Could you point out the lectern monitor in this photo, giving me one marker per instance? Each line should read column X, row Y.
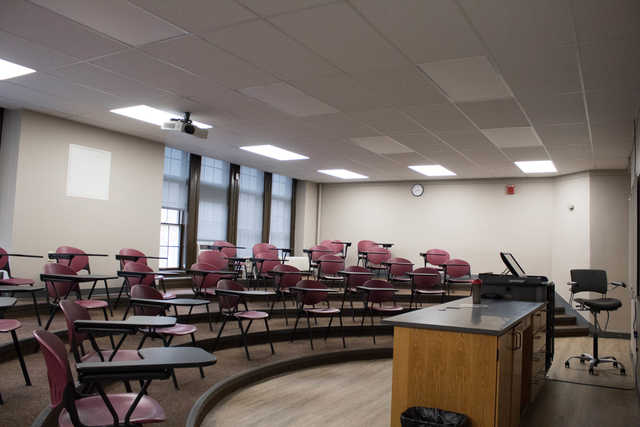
column 512, row 264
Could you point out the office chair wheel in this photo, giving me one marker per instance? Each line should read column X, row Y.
column 566, row 365
column 623, row 372
column 591, row 371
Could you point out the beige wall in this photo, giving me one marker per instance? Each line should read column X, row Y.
column 44, row 217
column 306, row 216
column 9, row 150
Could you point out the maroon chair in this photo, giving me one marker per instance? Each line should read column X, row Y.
column 425, row 284
column 265, row 261
column 220, row 261
column 59, row 291
column 204, row 284
column 373, row 297
column 141, row 260
column 363, row 247
column 10, row 325
column 17, row 282
column 375, row 257
column 282, row 283
column 82, row 410
column 435, row 257
column 230, row 303
column 397, row 269
column 328, row 267
column 352, row 281
column 308, row 295
column 455, row 271
column 315, row 252
column 259, row 248
column 143, row 279
column 78, row 262
column 335, row 245
column 229, row 250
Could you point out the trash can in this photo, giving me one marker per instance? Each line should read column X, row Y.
column 432, row 417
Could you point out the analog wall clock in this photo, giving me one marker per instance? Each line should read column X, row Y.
column 417, row 190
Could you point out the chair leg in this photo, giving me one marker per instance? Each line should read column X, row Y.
column 193, row 341
column 309, row 326
column 364, row 313
column 411, row 301
column 344, row 345
column 284, row 306
column 35, row 306
column 219, row 333
column 373, row 331
column 144, row 337
column 276, row 299
column 119, row 295
column 328, row 327
column 16, row 344
column 209, row 317
column 113, row 345
column 244, row 339
column 269, row 335
column 295, row 326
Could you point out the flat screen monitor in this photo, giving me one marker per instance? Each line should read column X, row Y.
column 512, row 264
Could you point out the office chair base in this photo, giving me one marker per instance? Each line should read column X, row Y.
column 594, row 361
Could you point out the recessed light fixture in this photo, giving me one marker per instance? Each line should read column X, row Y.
column 343, row 173
column 432, row 170
column 152, row 115
column 274, row 152
column 540, row 166
column 9, row 70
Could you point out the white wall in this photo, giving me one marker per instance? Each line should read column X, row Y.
column 306, row 216
column 44, row 217
column 8, row 171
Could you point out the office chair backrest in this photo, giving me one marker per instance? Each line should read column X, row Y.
column 400, row 269
column 381, row 255
column 364, row 245
column 228, row 302
column 207, row 281
column 146, row 280
column 457, row 267
column 57, row 361
column 320, row 250
column 357, row 279
column 288, row 280
column 437, row 256
column 263, row 247
column 73, row 312
column 589, row 281
column 271, row 260
column 228, row 250
column 311, row 298
column 146, row 292
column 58, row 289
column 378, row 297
column 131, row 252
column 333, row 244
column 79, row 262
column 426, row 282
column 216, row 258
column 336, row 264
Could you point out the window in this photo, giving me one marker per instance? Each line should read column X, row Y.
column 250, row 209
column 212, row 205
column 174, row 204
column 280, row 228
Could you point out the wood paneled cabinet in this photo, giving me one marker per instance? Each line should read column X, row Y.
column 534, row 350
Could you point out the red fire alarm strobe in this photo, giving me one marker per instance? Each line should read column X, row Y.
column 511, row 189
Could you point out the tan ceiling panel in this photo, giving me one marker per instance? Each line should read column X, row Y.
column 497, row 113
column 439, row 118
column 603, row 132
column 555, row 109
column 568, row 152
column 612, row 105
column 389, row 122
column 467, row 140
column 611, row 64
column 341, row 125
column 622, row 17
column 524, row 154
column 612, row 150
column 484, row 157
column 422, row 142
column 564, row 134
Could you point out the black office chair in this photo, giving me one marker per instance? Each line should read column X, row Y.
column 594, row 281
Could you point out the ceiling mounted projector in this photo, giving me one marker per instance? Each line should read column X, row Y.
column 185, row 125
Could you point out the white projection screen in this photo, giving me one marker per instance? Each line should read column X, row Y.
column 88, row 173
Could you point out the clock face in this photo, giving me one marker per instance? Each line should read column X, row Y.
column 417, row 190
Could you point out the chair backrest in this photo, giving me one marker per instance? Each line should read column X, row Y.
column 57, row 361
column 73, row 312
column 399, row 269
column 364, row 245
column 146, row 280
column 426, row 282
column 320, row 250
column 79, row 262
column 311, row 298
column 228, row 250
column 334, row 244
column 378, row 255
column 378, row 297
column 271, row 260
column 437, row 256
column 336, row 264
column 147, row 292
column 228, row 302
column 287, row 280
column 457, row 267
column 216, row 258
column 589, row 281
column 58, row 289
column 357, row 279
column 131, row 252
column 208, row 281
column 262, row 247
column 4, row 262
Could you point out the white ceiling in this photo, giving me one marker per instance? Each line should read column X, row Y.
column 371, row 86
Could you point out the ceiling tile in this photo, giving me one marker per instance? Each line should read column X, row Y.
column 389, row 121
column 554, row 109
column 518, row 25
column 241, row 105
column 343, row 147
column 503, row 168
column 402, row 87
column 381, row 145
column 260, row 133
column 53, row 31
column 210, row 62
column 439, row 118
column 489, row 156
column 612, row 105
column 611, row 64
column 348, row 33
column 497, row 113
column 145, row 68
column 573, row 166
column 342, row 92
column 424, row 31
column 612, row 150
column 523, row 154
column 261, row 44
column 41, row 99
column 299, row 129
column 541, row 71
column 197, row 15
column 603, row 132
column 469, row 171
column 288, row 99
column 467, row 140
column 179, row 106
column 513, row 137
column 12, row 104
column 467, row 79
column 568, row 152
column 564, row 134
column 211, row 116
column 104, row 80
column 622, row 19
column 29, row 54
column 449, row 157
column 622, row 163
column 422, row 142
column 342, row 125
column 409, row 159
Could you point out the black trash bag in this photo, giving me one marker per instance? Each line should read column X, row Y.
column 432, row 417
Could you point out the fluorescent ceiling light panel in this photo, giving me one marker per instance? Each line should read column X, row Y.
column 288, row 99
column 432, row 170
column 468, row 79
column 540, row 166
column 152, row 115
column 343, row 173
column 9, row 70
column 273, row 152
column 381, row 145
column 513, row 137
